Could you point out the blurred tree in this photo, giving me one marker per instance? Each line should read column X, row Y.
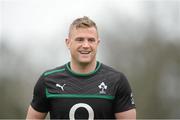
column 144, row 62
column 15, row 71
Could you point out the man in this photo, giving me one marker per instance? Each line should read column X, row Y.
column 83, row 88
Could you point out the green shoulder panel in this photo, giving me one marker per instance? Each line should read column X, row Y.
column 54, row 71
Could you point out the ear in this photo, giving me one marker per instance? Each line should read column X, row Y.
column 68, row 42
column 98, row 41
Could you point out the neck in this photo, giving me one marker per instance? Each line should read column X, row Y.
column 83, row 68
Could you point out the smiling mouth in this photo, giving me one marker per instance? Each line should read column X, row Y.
column 84, row 52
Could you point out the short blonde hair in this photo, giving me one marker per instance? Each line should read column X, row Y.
column 83, row 22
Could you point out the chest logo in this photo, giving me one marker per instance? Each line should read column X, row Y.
column 102, row 88
column 60, row 86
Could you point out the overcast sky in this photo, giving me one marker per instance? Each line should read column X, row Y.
column 44, row 17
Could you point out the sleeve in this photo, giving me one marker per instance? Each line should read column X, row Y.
column 39, row 101
column 124, row 98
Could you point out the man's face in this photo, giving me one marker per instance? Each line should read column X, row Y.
column 83, row 43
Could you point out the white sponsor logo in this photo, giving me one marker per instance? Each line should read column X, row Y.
column 60, row 86
column 132, row 99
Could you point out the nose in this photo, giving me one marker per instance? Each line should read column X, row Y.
column 85, row 44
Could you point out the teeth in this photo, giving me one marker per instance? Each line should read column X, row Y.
column 84, row 52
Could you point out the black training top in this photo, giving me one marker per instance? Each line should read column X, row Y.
column 69, row 95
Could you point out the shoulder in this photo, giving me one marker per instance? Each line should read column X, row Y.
column 113, row 74
column 54, row 71
column 110, row 70
column 48, row 75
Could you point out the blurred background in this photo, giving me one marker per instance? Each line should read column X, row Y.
column 140, row 38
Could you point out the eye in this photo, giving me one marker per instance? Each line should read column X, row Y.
column 79, row 39
column 91, row 40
